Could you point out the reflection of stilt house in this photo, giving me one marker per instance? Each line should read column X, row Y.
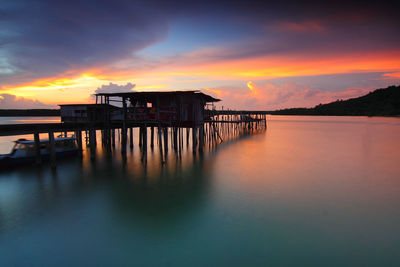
column 181, row 109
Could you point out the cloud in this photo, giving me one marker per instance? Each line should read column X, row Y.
column 115, row 88
column 48, row 38
column 269, row 96
column 8, row 101
column 44, row 38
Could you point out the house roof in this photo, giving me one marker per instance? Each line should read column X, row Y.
column 88, row 105
column 152, row 96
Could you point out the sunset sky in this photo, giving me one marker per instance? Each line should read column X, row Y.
column 251, row 54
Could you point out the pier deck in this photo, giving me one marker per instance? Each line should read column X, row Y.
column 217, row 126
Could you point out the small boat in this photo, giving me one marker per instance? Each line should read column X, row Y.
column 24, row 151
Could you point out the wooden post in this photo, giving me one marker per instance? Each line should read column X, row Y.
column 187, row 136
column 201, row 137
column 113, row 138
column 152, row 136
column 160, row 144
column 166, row 139
column 145, row 137
column 124, row 132
column 37, row 148
column 194, row 138
column 78, row 136
column 175, row 133
column 131, row 137
column 140, row 136
column 94, row 137
column 52, row 149
column 92, row 143
column 159, row 130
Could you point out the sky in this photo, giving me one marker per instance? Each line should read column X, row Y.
column 251, row 54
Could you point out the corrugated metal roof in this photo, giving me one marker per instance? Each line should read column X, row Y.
column 153, row 95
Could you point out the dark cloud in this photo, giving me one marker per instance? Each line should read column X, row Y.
column 50, row 37
column 46, row 37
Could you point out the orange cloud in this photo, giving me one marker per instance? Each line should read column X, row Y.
column 218, row 93
column 252, row 88
column 392, row 75
column 270, row 96
column 202, row 66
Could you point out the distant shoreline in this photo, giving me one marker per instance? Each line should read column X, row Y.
column 29, row 112
column 384, row 102
column 56, row 113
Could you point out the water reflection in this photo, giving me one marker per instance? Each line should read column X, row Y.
column 316, row 192
column 145, row 194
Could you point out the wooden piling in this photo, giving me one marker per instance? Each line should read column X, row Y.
column 152, row 137
column 187, row 136
column 165, row 140
column 201, row 137
column 144, row 137
column 175, row 135
column 52, row 149
column 194, row 138
column 92, row 143
column 37, row 148
column 78, row 137
column 131, row 137
column 124, row 129
column 113, row 138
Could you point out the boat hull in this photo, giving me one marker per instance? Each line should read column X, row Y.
column 10, row 162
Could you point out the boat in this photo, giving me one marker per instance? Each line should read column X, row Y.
column 24, row 152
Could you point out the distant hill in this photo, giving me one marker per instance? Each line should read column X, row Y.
column 29, row 112
column 381, row 102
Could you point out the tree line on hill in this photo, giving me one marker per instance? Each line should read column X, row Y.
column 381, row 102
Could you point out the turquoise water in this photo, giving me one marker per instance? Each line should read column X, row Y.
column 311, row 191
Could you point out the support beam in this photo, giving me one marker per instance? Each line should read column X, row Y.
column 144, row 137
column 140, row 136
column 194, row 138
column 92, row 143
column 37, row 148
column 113, row 138
column 78, row 136
column 123, row 130
column 131, row 137
column 52, row 149
column 165, row 140
column 152, row 137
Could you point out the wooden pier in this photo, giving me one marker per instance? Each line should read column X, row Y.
column 176, row 117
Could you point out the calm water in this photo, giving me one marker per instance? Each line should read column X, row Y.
column 310, row 191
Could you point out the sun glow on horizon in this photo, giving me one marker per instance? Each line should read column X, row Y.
column 74, row 86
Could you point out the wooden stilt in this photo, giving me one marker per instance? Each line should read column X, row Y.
column 131, row 137
column 52, row 149
column 187, row 136
column 165, row 140
column 152, row 136
column 92, row 143
column 194, row 138
column 113, row 138
column 140, row 136
column 145, row 137
column 78, row 137
column 37, row 148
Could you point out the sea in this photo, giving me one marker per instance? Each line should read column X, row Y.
column 309, row 191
